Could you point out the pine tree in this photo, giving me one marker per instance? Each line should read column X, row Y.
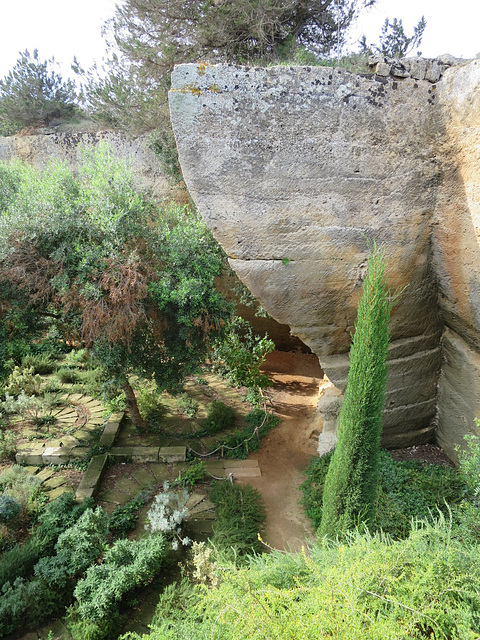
column 351, row 485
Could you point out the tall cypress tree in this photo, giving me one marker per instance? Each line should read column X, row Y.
column 351, row 484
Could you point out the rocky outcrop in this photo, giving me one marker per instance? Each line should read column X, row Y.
column 42, row 145
column 294, row 168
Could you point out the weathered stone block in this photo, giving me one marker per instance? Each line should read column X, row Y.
column 173, row 454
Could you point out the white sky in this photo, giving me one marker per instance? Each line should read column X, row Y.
column 65, row 28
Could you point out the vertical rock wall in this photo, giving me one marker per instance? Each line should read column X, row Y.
column 293, row 169
column 456, row 234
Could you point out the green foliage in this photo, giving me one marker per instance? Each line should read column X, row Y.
column 149, row 401
column 8, row 445
column 245, row 441
column 9, row 508
column 67, row 375
column 187, row 405
column 23, row 379
column 240, row 515
column 25, row 603
column 195, row 473
column 126, row 565
column 33, row 93
column 240, row 354
column 351, row 485
column 220, row 417
column 23, row 486
column 409, row 491
column 41, row 363
column 54, row 518
column 76, row 548
column 133, row 281
column 369, row 588
column 125, row 517
column 394, row 42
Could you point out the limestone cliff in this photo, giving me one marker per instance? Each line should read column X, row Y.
column 293, row 168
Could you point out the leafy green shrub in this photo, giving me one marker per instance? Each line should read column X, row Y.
column 408, row 490
column 23, row 380
column 186, row 405
column 126, row 565
column 76, row 548
column 8, row 445
column 239, row 355
column 55, row 517
column 76, row 357
column 220, row 417
column 196, row 472
column 125, row 517
column 312, row 487
column 240, row 515
column 24, row 604
column 102, row 629
column 40, row 362
column 367, row 587
column 92, row 380
column 67, row 376
column 9, row 508
column 245, row 441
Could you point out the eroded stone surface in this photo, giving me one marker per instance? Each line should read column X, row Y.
column 293, row 168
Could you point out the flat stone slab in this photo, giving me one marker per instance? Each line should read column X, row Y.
column 32, row 469
column 117, row 497
column 93, row 474
column 231, row 464
column 29, row 456
column 144, row 478
column 56, row 455
column 79, row 452
column 173, row 454
column 193, row 500
column 55, row 482
column 202, row 507
column 83, row 435
column 85, row 492
column 45, row 474
column 59, row 491
column 160, row 471
column 248, row 472
column 145, row 454
column 121, row 454
column 128, row 485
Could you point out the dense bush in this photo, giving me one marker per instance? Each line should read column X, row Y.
column 240, row 515
column 8, row 444
column 125, row 517
column 126, row 565
column 244, row 441
column 41, row 363
column 408, row 490
column 27, row 602
column 219, row 418
column 423, row 587
column 56, row 517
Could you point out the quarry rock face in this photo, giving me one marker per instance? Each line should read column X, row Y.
column 295, row 169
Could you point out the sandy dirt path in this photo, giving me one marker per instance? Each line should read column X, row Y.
column 287, row 450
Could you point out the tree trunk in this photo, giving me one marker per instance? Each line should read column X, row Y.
column 132, row 406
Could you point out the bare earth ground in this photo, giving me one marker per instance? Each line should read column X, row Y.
column 286, row 451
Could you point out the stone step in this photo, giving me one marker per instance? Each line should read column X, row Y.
column 92, row 477
column 247, row 472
